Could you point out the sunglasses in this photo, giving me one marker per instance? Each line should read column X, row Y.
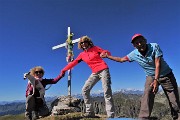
column 38, row 72
column 83, row 42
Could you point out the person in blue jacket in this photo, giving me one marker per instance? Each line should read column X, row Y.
column 150, row 58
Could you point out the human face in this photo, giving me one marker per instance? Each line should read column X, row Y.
column 140, row 44
column 38, row 73
column 84, row 44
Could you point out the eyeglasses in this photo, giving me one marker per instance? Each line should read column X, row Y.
column 83, row 42
column 38, row 72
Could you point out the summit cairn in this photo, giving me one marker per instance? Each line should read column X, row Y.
column 62, row 106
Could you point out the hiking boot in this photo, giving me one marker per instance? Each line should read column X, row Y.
column 28, row 116
column 111, row 115
column 89, row 115
column 176, row 116
column 144, row 118
column 35, row 115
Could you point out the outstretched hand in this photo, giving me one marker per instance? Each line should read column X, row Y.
column 62, row 74
column 154, row 84
column 104, row 55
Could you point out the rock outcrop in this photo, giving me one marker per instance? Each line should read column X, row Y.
column 64, row 105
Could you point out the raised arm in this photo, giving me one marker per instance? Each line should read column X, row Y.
column 62, row 72
column 102, row 51
column 117, row 59
column 55, row 80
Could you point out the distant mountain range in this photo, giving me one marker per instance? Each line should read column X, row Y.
column 94, row 94
column 9, row 102
column 23, row 101
column 130, row 91
column 18, row 106
column 124, row 91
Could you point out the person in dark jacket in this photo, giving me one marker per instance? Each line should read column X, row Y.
column 35, row 103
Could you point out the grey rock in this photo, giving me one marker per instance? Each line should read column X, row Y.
column 65, row 104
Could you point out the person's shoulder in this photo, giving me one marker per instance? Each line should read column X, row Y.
column 92, row 48
column 81, row 53
column 95, row 46
column 133, row 52
column 153, row 44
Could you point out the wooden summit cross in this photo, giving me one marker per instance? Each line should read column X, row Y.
column 69, row 46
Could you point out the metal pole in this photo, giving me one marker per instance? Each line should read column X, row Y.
column 69, row 59
column 69, row 46
column 69, row 82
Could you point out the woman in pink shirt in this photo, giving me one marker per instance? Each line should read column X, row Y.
column 92, row 56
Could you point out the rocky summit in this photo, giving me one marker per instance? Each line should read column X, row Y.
column 65, row 104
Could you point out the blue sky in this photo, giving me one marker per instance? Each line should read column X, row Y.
column 30, row 28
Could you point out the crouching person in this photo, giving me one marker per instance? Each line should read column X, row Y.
column 35, row 102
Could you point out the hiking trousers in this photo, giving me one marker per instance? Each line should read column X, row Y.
column 170, row 88
column 35, row 105
column 104, row 76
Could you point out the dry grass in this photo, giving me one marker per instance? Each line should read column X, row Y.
column 12, row 117
column 72, row 116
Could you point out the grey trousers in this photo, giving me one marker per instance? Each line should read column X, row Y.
column 30, row 106
column 104, row 75
column 170, row 88
column 35, row 105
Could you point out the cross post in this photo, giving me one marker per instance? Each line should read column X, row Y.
column 69, row 58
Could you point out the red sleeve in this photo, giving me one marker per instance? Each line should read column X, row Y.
column 55, row 80
column 73, row 63
column 29, row 90
column 102, row 50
